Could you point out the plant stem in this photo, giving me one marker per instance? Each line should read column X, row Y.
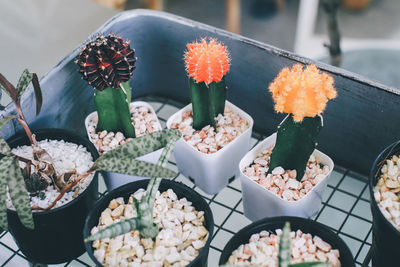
column 331, row 8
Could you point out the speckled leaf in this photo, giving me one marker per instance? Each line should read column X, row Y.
column 145, row 144
column 130, row 166
column 24, row 80
column 19, row 195
column 4, row 148
column 38, row 93
column 311, row 264
column 285, row 252
column 5, row 164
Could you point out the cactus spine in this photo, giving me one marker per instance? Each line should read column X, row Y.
column 207, row 62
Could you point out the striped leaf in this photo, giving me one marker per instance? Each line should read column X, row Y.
column 4, row 148
column 24, row 80
column 285, row 251
column 19, row 195
column 130, row 166
column 5, row 164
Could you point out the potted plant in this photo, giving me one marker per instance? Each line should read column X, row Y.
column 155, row 222
column 216, row 133
column 107, row 63
column 384, row 189
column 270, row 242
column 284, row 174
column 48, row 182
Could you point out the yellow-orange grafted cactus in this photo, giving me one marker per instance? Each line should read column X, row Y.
column 207, row 61
column 301, row 91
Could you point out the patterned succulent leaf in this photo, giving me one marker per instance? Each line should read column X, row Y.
column 115, row 229
column 8, row 88
column 131, row 166
column 311, row 264
column 285, row 253
column 5, row 164
column 24, row 80
column 144, row 144
column 4, row 148
column 19, row 195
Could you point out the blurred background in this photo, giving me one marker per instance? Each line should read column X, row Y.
column 37, row 34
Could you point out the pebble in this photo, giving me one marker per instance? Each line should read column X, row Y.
column 182, row 234
column 387, row 191
column 283, row 182
column 263, row 249
column 206, row 140
column 145, row 121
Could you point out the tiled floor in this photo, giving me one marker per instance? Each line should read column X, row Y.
column 345, row 210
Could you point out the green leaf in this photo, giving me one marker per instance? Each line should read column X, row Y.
column 311, row 264
column 38, row 93
column 131, row 166
column 24, row 80
column 19, row 195
column 5, row 164
column 4, row 148
column 285, row 251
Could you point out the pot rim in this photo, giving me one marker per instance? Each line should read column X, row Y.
column 244, row 115
column 86, row 143
column 388, row 152
column 283, row 219
column 260, row 147
column 170, row 185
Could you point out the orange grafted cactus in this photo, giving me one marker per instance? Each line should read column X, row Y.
column 301, row 91
column 207, row 61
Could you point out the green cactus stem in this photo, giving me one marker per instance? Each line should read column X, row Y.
column 113, row 110
column 295, row 142
column 208, row 101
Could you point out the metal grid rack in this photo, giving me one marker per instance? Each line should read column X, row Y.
column 345, row 209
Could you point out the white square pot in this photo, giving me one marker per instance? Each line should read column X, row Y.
column 259, row 202
column 113, row 179
column 211, row 172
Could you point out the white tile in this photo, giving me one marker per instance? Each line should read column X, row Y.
column 327, row 194
column 86, row 259
column 228, row 197
column 236, row 222
column 335, row 177
column 353, row 244
column 221, row 239
column 5, row 253
column 77, row 264
column 181, row 178
column 352, row 185
column 356, row 227
column 102, row 184
column 240, row 207
column 363, row 253
column 17, row 261
column 363, row 209
column 236, row 184
column 342, row 201
column 202, row 193
column 9, row 241
column 213, row 258
column 167, row 111
column 366, row 194
column 156, row 105
column 331, row 217
column 219, row 212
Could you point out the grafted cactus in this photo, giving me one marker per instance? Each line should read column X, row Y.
column 303, row 93
column 107, row 63
column 207, row 62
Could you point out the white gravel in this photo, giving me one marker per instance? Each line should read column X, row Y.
column 387, row 191
column 66, row 156
column 283, row 182
column 207, row 140
column 263, row 249
column 182, row 234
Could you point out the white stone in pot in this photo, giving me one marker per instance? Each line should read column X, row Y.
column 112, row 179
column 259, row 202
column 211, row 172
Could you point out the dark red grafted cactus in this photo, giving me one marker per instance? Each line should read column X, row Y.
column 106, row 62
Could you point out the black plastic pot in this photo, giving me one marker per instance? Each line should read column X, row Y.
column 385, row 237
column 125, row 191
column 296, row 223
column 57, row 236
